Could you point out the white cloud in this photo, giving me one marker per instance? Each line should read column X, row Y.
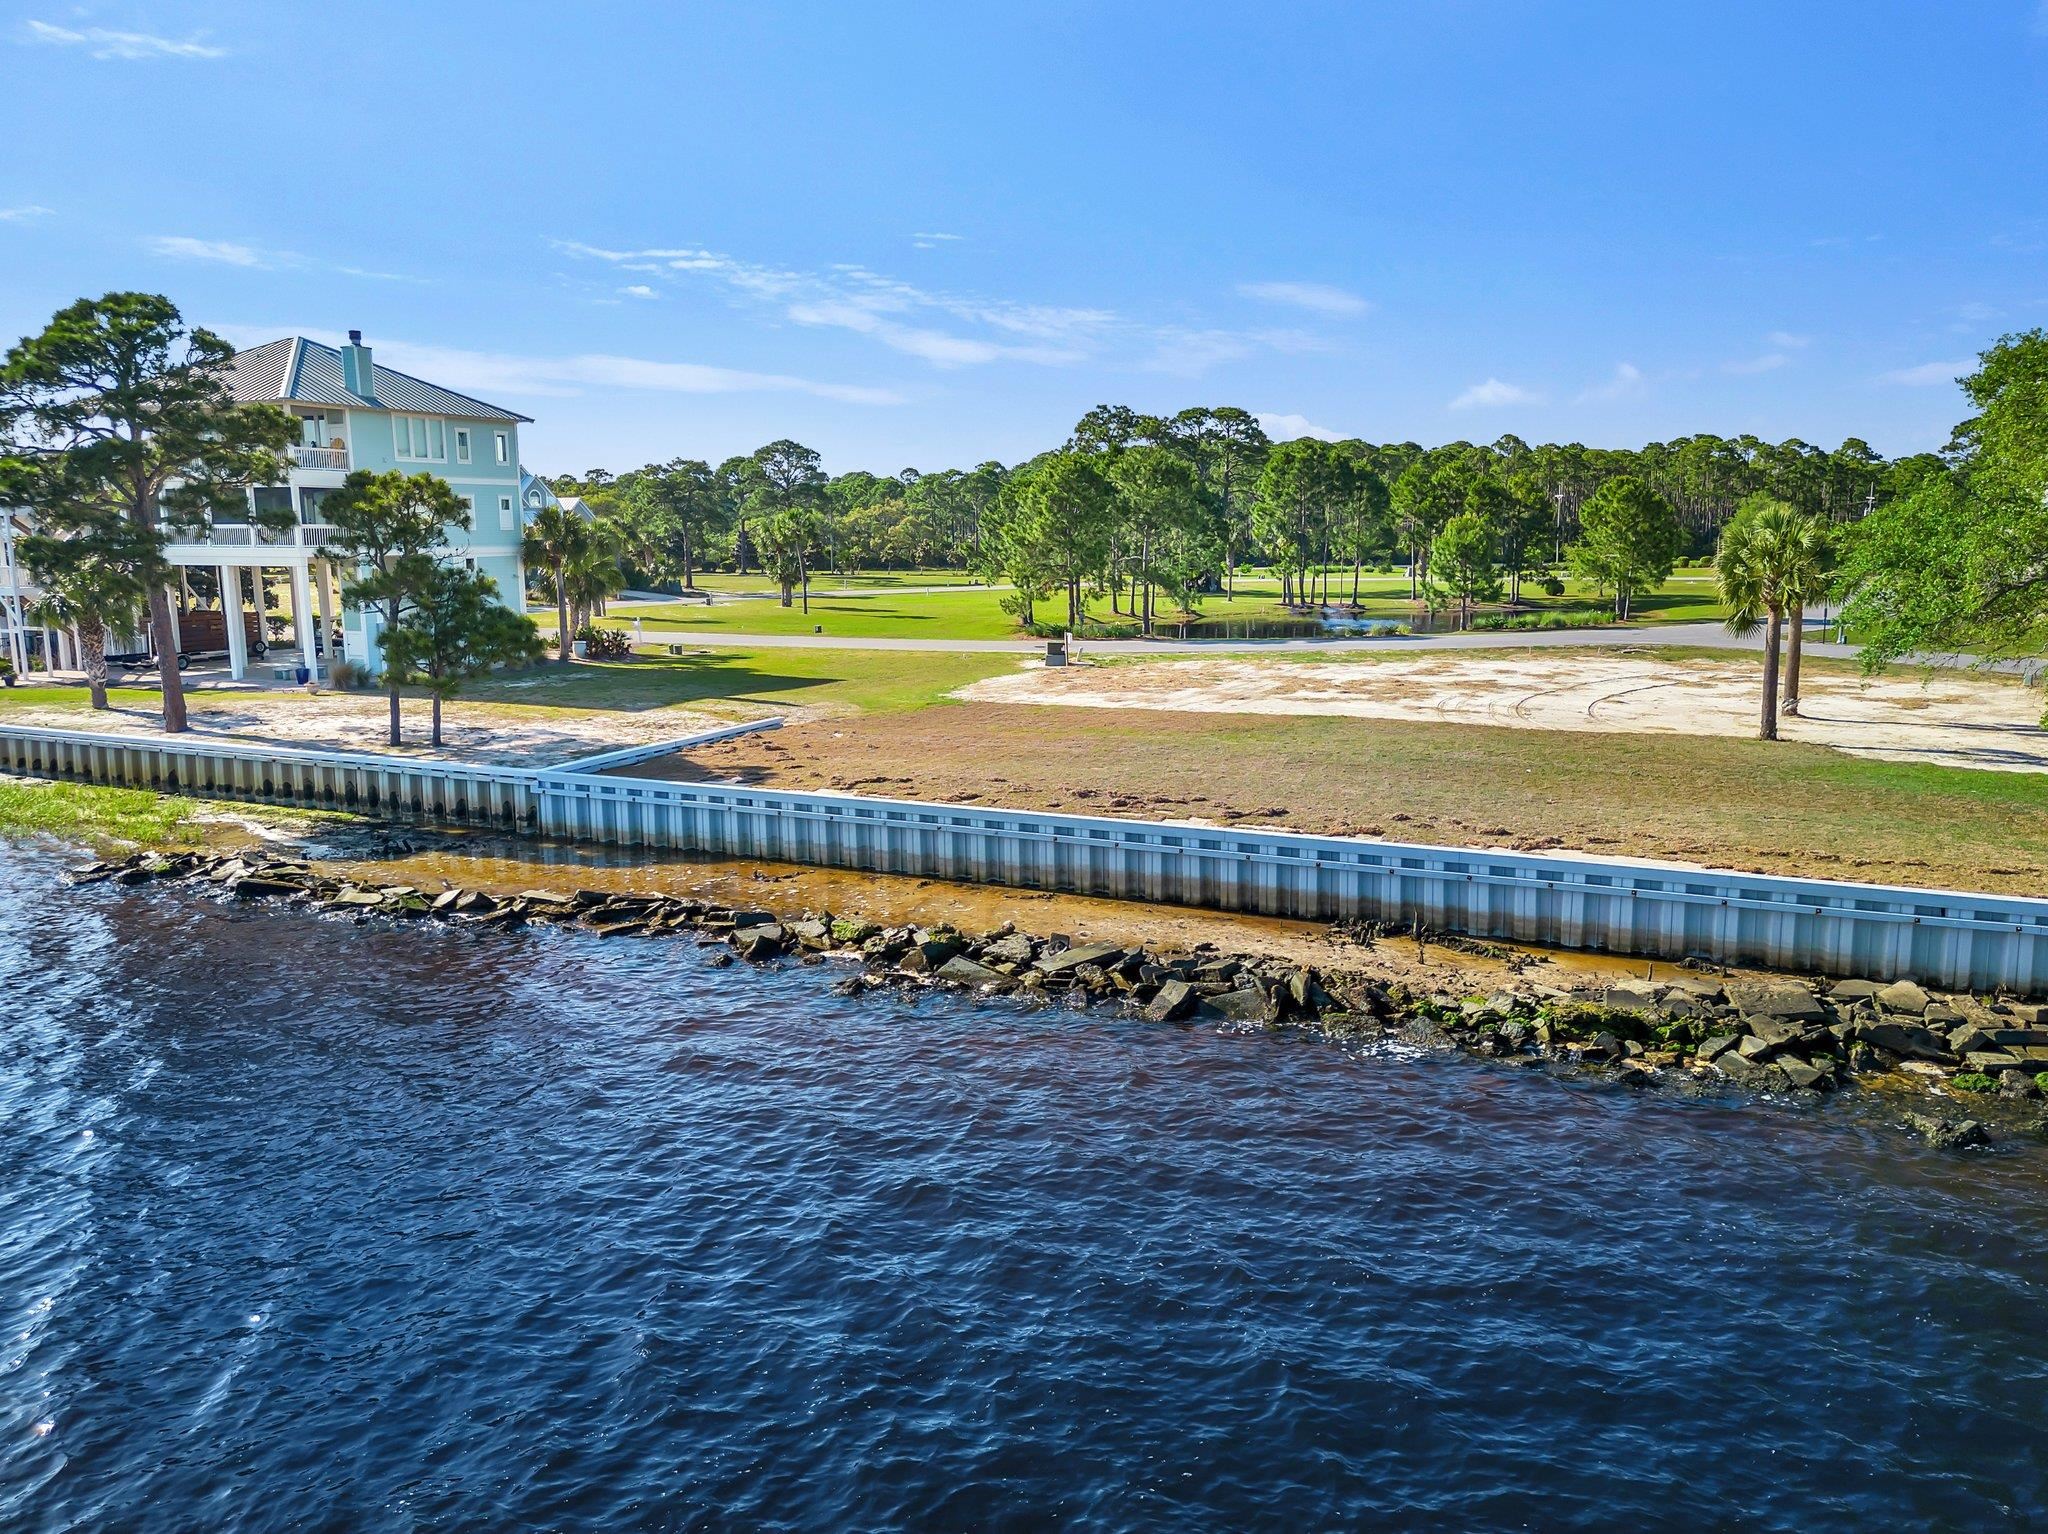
column 23, row 214
column 1626, row 380
column 925, row 240
column 639, row 290
column 1769, row 362
column 1928, row 373
column 1317, row 297
column 490, row 374
column 946, row 329
column 1495, row 392
column 183, row 247
column 105, row 43
column 1785, row 340
column 1285, row 428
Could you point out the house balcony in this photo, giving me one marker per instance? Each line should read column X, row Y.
column 305, row 456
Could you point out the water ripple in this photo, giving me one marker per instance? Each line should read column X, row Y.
column 313, row 1224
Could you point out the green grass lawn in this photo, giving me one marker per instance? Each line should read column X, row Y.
column 83, row 812
column 977, row 612
column 725, row 583
column 746, row 683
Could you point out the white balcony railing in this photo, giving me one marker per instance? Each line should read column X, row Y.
column 308, row 457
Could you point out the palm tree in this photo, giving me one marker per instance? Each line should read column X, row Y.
column 1763, row 569
column 1809, row 563
column 593, row 575
column 557, row 538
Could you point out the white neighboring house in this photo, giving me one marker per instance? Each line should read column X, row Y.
column 352, row 414
column 18, row 594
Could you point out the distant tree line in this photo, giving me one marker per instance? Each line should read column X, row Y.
column 1155, row 512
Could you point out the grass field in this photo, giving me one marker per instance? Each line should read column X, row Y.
column 977, row 613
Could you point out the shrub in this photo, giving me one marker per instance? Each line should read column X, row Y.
column 1552, row 586
column 2041, row 1081
column 605, row 643
column 1974, row 1081
column 347, row 676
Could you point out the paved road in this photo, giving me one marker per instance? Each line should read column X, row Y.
column 1707, row 635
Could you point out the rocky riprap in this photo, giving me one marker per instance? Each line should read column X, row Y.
column 1693, row 1030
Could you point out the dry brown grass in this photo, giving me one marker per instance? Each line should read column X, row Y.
column 1784, row 808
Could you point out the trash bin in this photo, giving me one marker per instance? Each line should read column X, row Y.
column 303, row 675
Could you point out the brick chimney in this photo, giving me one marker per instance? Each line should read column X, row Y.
column 355, row 367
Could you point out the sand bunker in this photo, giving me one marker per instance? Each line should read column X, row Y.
column 1954, row 719
column 472, row 732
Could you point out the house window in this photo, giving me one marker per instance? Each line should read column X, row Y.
column 468, row 510
column 504, row 447
column 309, row 506
column 462, row 444
column 505, row 518
column 418, row 437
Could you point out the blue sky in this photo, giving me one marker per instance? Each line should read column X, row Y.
column 928, row 235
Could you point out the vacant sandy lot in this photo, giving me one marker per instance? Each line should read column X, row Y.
column 471, row 732
column 1953, row 719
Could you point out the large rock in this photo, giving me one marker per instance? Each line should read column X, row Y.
column 1069, row 959
column 1633, row 995
column 1948, row 1134
column 2009, row 1038
column 1907, row 1039
column 1843, row 992
column 1778, row 1031
column 1175, row 999
column 1779, row 999
column 1801, row 1074
column 965, row 971
column 1243, row 1007
column 1903, row 996
column 1011, row 948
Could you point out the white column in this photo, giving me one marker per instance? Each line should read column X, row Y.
column 302, row 617
column 231, row 616
column 323, row 585
column 262, row 613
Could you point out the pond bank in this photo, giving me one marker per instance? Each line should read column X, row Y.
column 1951, row 1068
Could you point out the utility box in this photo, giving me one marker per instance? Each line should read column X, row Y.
column 1055, row 652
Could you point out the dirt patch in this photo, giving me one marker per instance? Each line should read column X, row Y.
column 501, row 734
column 1718, row 802
column 1952, row 719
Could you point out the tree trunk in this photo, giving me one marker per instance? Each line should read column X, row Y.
column 562, row 631
column 1357, row 559
column 435, row 733
column 1145, row 564
column 167, row 662
column 92, row 641
column 1794, row 643
column 689, row 573
column 1773, row 637
column 804, row 569
column 388, row 627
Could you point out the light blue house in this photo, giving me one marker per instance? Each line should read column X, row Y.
column 354, row 414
